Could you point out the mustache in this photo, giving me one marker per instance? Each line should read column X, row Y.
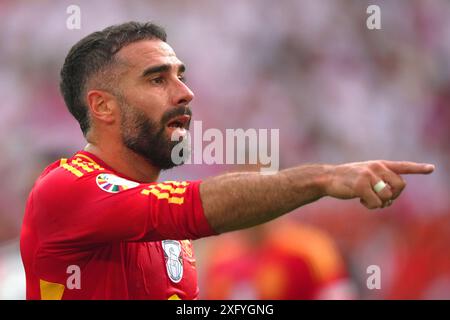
column 175, row 112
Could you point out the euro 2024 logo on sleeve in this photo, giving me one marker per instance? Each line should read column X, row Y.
column 113, row 184
column 174, row 259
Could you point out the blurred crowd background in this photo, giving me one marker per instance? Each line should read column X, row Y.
column 337, row 92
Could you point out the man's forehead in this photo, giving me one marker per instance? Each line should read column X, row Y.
column 143, row 53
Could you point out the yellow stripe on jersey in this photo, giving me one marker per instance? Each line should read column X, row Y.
column 91, row 162
column 177, row 183
column 77, row 162
column 160, row 195
column 93, row 165
column 159, row 190
column 168, row 188
column 68, row 167
column 51, row 290
column 174, row 297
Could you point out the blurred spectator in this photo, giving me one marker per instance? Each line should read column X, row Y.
column 281, row 260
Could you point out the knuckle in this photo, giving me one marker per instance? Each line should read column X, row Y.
column 402, row 183
column 365, row 173
column 361, row 184
column 376, row 166
column 398, row 185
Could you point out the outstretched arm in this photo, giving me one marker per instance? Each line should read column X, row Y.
column 240, row 200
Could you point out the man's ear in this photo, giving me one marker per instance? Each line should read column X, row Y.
column 102, row 106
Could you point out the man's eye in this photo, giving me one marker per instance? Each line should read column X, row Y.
column 158, row 80
column 182, row 78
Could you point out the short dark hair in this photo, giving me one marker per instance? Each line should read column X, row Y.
column 93, row 54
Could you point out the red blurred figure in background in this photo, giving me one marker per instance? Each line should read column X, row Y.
column 284, row 260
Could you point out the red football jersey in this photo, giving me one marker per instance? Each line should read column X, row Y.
column 91, row 233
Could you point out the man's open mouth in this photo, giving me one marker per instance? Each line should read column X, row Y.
column 181, row 122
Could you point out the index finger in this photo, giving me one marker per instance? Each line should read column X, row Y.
column 407, row 167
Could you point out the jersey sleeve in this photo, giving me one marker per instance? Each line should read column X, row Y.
column 88, row 208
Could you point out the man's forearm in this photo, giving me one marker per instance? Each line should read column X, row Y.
column 240, row 200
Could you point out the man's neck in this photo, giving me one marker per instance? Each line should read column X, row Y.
column 126, row 162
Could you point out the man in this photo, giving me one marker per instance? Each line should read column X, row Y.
column 99, row 226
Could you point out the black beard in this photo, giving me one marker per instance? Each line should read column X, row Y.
column 148, row 138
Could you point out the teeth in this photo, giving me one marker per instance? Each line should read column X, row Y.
column 182, row 131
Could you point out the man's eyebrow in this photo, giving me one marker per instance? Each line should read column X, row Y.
column 161, row 68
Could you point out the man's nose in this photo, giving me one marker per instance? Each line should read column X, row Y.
column 182, row 95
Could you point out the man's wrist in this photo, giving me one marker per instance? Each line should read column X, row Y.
column 324, row 179
column 313, row 179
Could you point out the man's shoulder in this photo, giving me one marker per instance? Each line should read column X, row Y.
column 79, row 165
column 67, row 171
